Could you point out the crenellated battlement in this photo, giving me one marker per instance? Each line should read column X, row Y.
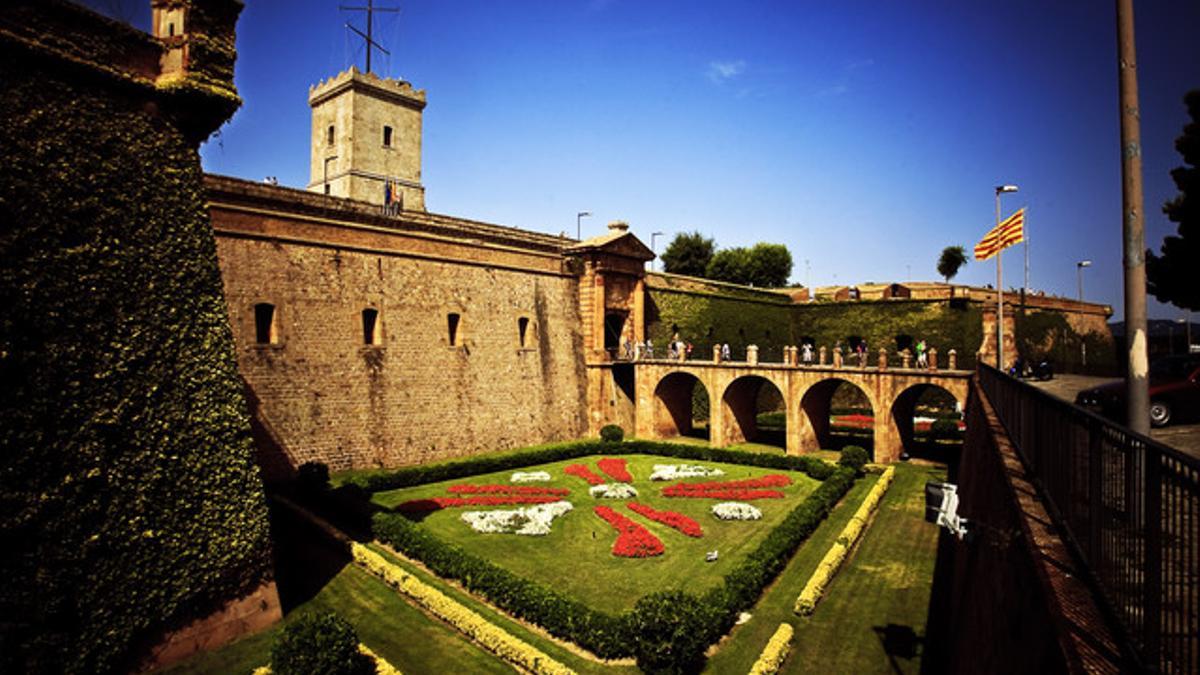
column 352, row 78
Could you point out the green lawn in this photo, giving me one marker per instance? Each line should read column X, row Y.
column 878, row 597
column 576, row 556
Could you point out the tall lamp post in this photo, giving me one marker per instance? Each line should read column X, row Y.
column 653, row 249
column 578, row 219
column 1079, row 273
column 1000, row 189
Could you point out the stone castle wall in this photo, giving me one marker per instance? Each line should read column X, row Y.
column 414, row 398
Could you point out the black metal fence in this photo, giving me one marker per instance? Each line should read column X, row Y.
column 1129, row 505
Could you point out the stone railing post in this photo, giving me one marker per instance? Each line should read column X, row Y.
column 837, row 357
column 882, row 358
column 821, row 355
column 952, row 359
column 793, row 358
column 933, row 358
column 752, row 355
column 905, row 359
column 716, row 353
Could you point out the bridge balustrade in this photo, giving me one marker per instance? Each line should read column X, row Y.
column 1128, row 505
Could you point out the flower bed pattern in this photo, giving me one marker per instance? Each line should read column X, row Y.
column 613, row 491
column 669, row 518
column 615, row 467
column 634, row 540
column 530, row 476
column 531, row 521
column 735, row 511
column 583, row 472
column 677, row 471
column 742, row 490
column 507, row 490
column 439, row 503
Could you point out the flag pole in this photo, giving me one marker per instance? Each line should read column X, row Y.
column 999, row 297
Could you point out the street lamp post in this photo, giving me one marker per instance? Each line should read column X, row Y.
column 653, row 249
column 578, row 218
column 1079, row 272
column 1000, row 189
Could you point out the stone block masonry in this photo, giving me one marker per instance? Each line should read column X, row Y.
column 416, row 396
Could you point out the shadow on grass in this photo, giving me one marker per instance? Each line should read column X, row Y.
column 899, row 642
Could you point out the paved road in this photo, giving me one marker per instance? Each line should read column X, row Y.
column 1184, row 437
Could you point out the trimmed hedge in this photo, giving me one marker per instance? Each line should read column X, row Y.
column 436, row 473
column 319, row 643
column 612, row 433
column 608, row 636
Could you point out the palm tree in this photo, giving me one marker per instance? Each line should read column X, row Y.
column 953, row 258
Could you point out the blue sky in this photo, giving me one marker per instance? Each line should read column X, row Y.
column 866, row 136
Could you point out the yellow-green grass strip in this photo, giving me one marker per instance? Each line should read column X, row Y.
column 829, row 565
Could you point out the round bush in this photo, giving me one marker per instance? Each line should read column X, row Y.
column 670, row 632
column 313, row 477
column 945, row 429
column 854, row 457
column 319, row 643
column 612, row 433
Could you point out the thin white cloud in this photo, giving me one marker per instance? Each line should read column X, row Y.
column 721, row 71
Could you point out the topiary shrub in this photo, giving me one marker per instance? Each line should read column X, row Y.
column 612, row 433
column 945, row 429
column 319, row 643
column 312, row 478
column 670, row 633
column 854, row 457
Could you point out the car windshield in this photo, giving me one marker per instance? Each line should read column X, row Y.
column 1174, row 368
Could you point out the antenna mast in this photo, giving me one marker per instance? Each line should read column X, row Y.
column 370, row 9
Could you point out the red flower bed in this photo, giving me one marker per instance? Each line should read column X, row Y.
column 853, row 421
column 507, row 490
column 439, row 503
column 585, row 473
column 634, row 540
column 669, row 518
column 741, row 495
column 615, row 467
column 742, row 490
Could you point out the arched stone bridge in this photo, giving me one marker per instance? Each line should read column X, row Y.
column 663, row 400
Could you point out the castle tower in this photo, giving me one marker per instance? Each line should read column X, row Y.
column 366, row 132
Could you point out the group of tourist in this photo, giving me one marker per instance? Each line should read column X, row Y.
column 679, row 350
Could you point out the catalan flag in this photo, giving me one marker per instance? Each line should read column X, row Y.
column 1008, row 232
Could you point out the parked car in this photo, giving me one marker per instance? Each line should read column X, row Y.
column 1174, row 392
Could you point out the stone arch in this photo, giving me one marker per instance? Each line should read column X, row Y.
column 739, row 407
column 815, row 408
column 903, row 412
column 673, row 404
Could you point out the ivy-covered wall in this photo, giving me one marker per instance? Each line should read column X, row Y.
column 892, row 324
column 706, row 315
column 131, row 501
column 1045, row 334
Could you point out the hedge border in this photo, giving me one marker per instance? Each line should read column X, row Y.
column 821, row 577
column 605, row 635
column 776, row 651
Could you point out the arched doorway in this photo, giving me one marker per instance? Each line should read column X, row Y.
column 681, row 407
column 929, row 419
column 753, row 411
column 839, row 413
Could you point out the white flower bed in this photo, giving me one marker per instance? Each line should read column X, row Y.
column 677, row 471
column 529, row 520
column 736, row 511
column 530, row 476
column 613, row 491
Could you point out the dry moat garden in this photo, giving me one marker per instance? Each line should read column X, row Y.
column 598, row 556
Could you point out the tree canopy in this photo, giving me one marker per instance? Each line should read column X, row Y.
column 688, row 253
column 1171, row 277
column 951, row 260
column 763, row 265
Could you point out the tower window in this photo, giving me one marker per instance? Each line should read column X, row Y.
column 170, row 30
column 329, row 135
column 387, row 137
column 452, row 321
column 523, row 330
column 370, row 325
column 264, row 324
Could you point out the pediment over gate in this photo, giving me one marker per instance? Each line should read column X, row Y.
column 616, row 250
